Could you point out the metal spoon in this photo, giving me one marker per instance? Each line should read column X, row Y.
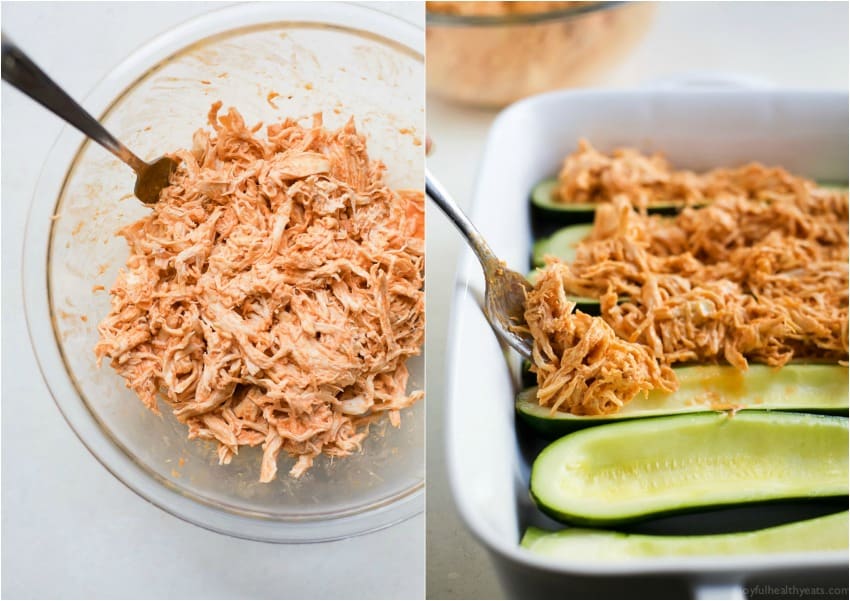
column 504, row 289
column 20, row 71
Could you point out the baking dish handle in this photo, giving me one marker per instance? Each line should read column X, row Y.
column 710, row 80
column 714, row 589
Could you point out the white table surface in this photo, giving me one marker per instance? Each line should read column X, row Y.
column 69, row 529
column 800, row 45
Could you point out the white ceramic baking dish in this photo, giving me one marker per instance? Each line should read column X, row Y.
column 488, row 458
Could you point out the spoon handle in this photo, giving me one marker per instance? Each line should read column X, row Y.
column 447, row 204
column 21, row 72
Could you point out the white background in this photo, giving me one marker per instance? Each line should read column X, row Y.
column 69, row 529
column 800, row 45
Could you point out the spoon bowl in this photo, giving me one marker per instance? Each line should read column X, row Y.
column 504, row 290
column 151, row 180
column 504, row 306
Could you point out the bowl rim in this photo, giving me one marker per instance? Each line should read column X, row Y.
column 563, row 14
column 37, row 241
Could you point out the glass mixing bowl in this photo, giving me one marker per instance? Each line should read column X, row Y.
column 270, row 61
column 494, row 59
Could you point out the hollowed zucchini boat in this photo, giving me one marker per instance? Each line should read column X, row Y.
column 547, row 207
column 625, row 472
column 562, row 244
column 795, row 387
column 826, row 533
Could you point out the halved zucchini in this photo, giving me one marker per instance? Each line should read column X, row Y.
column 808, row 387
column 545, row 203
column 545, row 207
column 625, row 472
column 544, row 196
column 526, row 376
column 825, row 533
column 561, row 244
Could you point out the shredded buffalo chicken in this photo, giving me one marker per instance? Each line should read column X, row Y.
column 588, row 175
column 581, row 362
column 760, row 274
column 274, row 293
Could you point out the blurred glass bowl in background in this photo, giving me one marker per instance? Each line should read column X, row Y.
column 496, row 53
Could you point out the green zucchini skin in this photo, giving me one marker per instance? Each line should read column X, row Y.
column 548, row 215
column 545, row 208
column 561, row 244
column 818, row 388
column 634, row 470
column 825, row 533
column 527, row 378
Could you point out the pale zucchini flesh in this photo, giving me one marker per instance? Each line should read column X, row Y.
column 628, row 471
column 544, row 196
column 818, row 388
column 562, row 244
column 826, row 533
